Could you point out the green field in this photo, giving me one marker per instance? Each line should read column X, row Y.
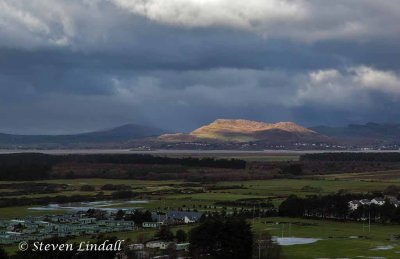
column 168, row 194
column 338, row 239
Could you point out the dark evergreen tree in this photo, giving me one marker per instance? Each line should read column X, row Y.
column 181, row 236
column 216, row 238
column 164, row 233
column 3, row 253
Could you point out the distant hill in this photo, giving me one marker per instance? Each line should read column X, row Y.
column 245, row 131
column 118, row 134
column 219, row 134
column 362, row 132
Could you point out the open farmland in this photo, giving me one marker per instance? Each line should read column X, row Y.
column 179, row 194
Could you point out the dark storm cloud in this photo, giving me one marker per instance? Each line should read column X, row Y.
column 69, row 66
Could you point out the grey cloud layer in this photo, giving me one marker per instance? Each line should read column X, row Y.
column 67, row 66
column 82, row 23
column 46, row 22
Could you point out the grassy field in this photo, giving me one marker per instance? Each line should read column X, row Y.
column 23, row 211
column 294, row 186
column 169, row 195
column 338, row 239
column 389, row 175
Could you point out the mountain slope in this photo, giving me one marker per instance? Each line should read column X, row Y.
column 367, row 132
column 118, row 134
column 245, row 131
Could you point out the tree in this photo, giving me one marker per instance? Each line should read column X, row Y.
column 122, row 194
column 120, row 215
column 264, row 247
column 292, row 207
column 293, row 169
column 222, row 239
column 392, row 190
column 139, row 217
column 87, row 188
column 181, row 236
column 141, row 238
column 165, row 234
column 3, row 253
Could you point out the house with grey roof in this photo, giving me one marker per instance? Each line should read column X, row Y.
column 176, row 217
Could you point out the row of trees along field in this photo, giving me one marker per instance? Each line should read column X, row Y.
column 336, row 206
column 352, row 156
column 36, row 166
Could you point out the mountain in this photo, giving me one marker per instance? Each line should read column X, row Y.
column 118, row 134
column 370, row 132
column 245, row 131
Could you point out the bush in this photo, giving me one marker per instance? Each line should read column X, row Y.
column 181, row 236
column 293, row 169
column 115, row 187
column 222, row 239
column 87, row 188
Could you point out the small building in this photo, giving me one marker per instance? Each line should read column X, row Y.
column 87, row 220
column 365, row 202
column 378, row 201
column 135, row 247
column 178, row 217
column 166, row 245
column 154, row 244
column 182, row 247
column 152, row 224
column 42, row 223
column 142, row 254
column 353, row 205
column 184, row 216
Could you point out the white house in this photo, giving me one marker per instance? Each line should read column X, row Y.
column 378, row 201
column 353, row 205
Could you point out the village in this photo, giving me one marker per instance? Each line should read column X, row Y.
column 95, row 222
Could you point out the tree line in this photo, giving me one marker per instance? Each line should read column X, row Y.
column 352, row 156
column 37, row 166
column 336, row 206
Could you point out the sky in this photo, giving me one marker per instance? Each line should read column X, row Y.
column 79, row 65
